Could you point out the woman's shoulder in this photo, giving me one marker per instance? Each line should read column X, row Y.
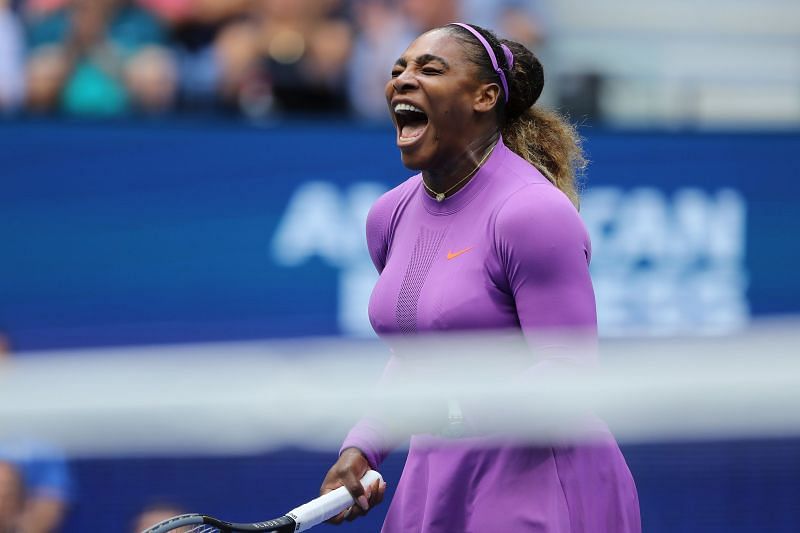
column 520, row 171
column 384, row 212
column 529, row 194
column 536, row 210
column 389, row 201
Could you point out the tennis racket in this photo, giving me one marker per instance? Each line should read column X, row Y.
column 300, row 518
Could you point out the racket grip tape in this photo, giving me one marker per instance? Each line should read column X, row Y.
column 328, row 505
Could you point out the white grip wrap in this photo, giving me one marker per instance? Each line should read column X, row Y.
column 328, row 505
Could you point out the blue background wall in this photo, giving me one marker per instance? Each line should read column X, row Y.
column 139, row 233
column 143, row 233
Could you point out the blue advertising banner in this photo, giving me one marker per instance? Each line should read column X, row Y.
column 170, row 232
column 141, row 233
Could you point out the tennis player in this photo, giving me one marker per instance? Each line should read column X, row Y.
column 486, row 236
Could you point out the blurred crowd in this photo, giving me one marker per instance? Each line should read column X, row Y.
column 36, row 487
column 241, row 57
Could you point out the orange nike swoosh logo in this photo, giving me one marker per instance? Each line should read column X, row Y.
column 453, row 255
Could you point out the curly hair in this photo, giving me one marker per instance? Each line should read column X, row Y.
column 543, row 138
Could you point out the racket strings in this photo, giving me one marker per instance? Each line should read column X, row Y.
column 204, row 529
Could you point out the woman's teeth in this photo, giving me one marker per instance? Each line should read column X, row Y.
column 407, row 107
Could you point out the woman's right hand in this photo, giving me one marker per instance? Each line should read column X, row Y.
column 347, row 472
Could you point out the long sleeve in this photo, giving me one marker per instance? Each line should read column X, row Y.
column 543, row 254
column 542, row 259
column 379, row 228
column 370, row 434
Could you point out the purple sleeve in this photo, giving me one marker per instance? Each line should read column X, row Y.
column 370, row 435
column 379, row 229
column 543, row 252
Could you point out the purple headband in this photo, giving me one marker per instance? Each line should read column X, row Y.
column 488, row 47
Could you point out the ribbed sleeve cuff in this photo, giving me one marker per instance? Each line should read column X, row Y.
column 368, row 436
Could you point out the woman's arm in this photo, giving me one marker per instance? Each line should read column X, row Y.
column 543, row 254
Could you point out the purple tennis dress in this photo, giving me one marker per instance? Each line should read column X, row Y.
column 508, row 250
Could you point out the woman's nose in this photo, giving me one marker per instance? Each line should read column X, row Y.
column 405, row 81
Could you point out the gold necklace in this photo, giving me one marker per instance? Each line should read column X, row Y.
column 440, row 196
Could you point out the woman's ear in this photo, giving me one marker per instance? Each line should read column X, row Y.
column 486, row 97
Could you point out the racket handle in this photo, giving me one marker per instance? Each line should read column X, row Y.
column 328, row 505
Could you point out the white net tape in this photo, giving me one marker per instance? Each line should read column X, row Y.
column 258, row 396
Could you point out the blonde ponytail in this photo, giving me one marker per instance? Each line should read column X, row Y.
column 550, row 143
column 543, row 138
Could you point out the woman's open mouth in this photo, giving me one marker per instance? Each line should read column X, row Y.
column 411, row 124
